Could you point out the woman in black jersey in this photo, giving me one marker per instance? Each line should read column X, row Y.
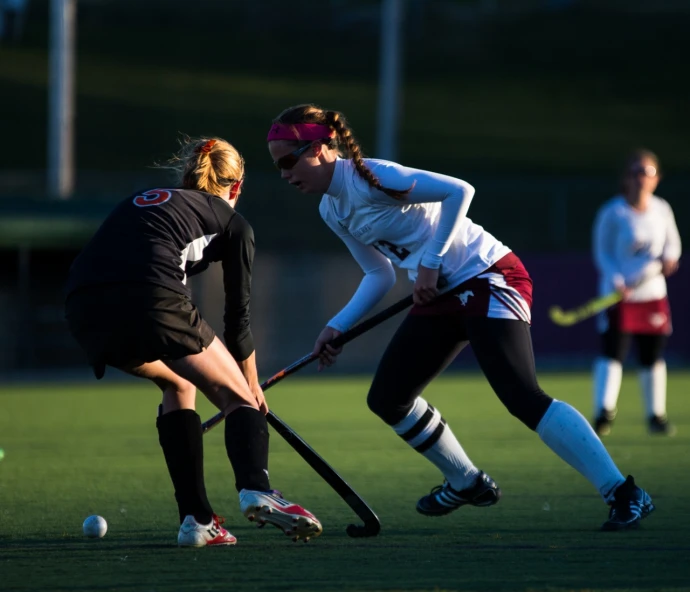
column 128, row 305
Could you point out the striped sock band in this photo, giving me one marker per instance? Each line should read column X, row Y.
column 421, row 430
column 425, row 430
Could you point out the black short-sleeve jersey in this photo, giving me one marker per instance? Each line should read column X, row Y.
column 163, row 236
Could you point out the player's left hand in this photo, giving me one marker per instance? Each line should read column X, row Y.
column 327, row 353
column 258, row 393
column 425, row 285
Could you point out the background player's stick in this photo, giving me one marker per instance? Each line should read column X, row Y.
column 342, row 339
column 567, row 318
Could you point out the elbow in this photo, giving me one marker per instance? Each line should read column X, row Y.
column 389, row 278
column 384, row 277
column 467, row 191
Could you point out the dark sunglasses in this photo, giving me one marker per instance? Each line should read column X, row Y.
column 290, row 160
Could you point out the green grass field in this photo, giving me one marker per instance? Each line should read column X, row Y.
column 72, row 451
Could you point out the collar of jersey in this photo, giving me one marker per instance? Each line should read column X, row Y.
column 338, row 180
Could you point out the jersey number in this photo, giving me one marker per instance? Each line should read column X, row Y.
column 154, row 197
column 391, row 251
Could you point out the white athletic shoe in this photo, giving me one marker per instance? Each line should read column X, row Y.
column 193, row 534
column 269, row 507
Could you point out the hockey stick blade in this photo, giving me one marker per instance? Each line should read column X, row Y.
column 567, row 318
column 372, row 525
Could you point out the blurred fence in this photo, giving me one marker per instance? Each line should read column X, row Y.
column 294, row 296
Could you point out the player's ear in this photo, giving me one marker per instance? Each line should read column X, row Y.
column 317, row 147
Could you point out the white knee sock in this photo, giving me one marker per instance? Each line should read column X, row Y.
column 565, row 431
column 608, row 374
column 426, row 431
column 653, row 385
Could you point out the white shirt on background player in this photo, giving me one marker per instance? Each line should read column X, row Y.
column 629, row 245
column 428, row 226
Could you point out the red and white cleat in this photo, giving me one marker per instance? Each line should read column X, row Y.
column 269, row 507
column 193, row 534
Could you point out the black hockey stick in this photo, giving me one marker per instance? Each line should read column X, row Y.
column 342, row 339
column 372, row 525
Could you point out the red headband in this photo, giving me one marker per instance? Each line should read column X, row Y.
column 206, row 148
column 299, row 131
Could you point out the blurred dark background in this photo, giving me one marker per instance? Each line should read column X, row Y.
column 534, row 102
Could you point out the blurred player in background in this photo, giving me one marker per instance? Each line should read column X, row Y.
column 129, row 306
column 636, row 246
column 386, row 213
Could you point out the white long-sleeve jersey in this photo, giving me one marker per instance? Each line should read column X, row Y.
column 428, row 226
column 629, row 246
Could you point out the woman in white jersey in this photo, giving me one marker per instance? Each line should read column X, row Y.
column 636, row 245
column 386, row 213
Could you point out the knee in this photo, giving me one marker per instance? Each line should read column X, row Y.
column 180, row 389
column 528, row 407
column 177, row 394
column 185, row 389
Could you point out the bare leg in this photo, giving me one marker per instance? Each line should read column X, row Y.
column 216, row 373
column 178, row 393
column 213, row 371
column 180, row 437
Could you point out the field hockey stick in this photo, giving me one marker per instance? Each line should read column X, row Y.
column 372, row 525
column 567, row 318
column 342, row 339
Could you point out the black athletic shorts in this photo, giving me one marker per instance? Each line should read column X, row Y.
column 128, row 324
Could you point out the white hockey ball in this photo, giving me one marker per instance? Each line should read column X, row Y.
column 95, row 527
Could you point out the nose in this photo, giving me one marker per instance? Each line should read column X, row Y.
column 285, row 174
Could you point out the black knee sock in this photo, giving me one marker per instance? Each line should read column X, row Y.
column 180, row 437
column 246, row 441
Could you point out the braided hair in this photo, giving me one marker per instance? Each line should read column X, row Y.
column 344, row 140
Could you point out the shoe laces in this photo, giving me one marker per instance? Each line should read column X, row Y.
column 218, row 519
column 439, row 488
